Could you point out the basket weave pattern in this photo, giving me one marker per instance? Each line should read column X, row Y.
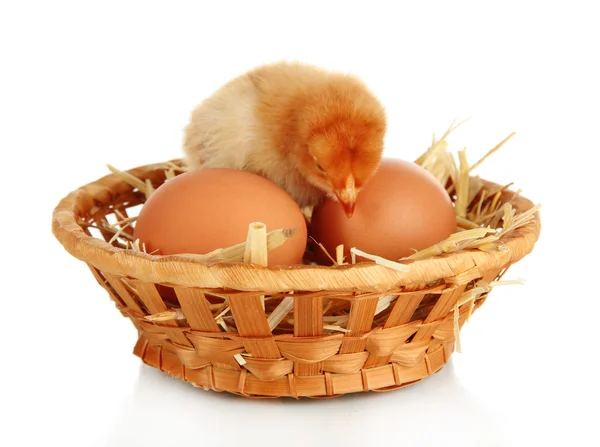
column 371, row 347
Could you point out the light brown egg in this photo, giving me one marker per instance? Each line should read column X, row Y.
column 203, row 210
column 402, row 208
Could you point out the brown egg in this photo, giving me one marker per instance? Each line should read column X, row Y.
column 402, row 208
column 203, row 210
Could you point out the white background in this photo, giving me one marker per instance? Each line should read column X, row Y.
column 83, row 84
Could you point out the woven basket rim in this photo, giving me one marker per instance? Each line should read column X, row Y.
column 185, row 272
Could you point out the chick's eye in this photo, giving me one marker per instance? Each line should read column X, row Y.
column 319, row 167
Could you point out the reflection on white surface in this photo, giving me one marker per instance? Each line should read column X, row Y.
column 166, row 411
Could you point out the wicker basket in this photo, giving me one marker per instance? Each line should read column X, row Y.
column 380, row 345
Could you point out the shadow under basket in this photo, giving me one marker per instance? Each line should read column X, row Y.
column 346, row 329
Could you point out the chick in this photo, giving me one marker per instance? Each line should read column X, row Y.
column 313, row 132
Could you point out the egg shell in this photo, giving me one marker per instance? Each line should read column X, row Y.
column 402, row 208
column 203, row 210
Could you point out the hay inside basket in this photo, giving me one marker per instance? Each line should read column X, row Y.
column 223, row 321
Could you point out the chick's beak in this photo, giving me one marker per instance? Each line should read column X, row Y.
column 347, row 198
